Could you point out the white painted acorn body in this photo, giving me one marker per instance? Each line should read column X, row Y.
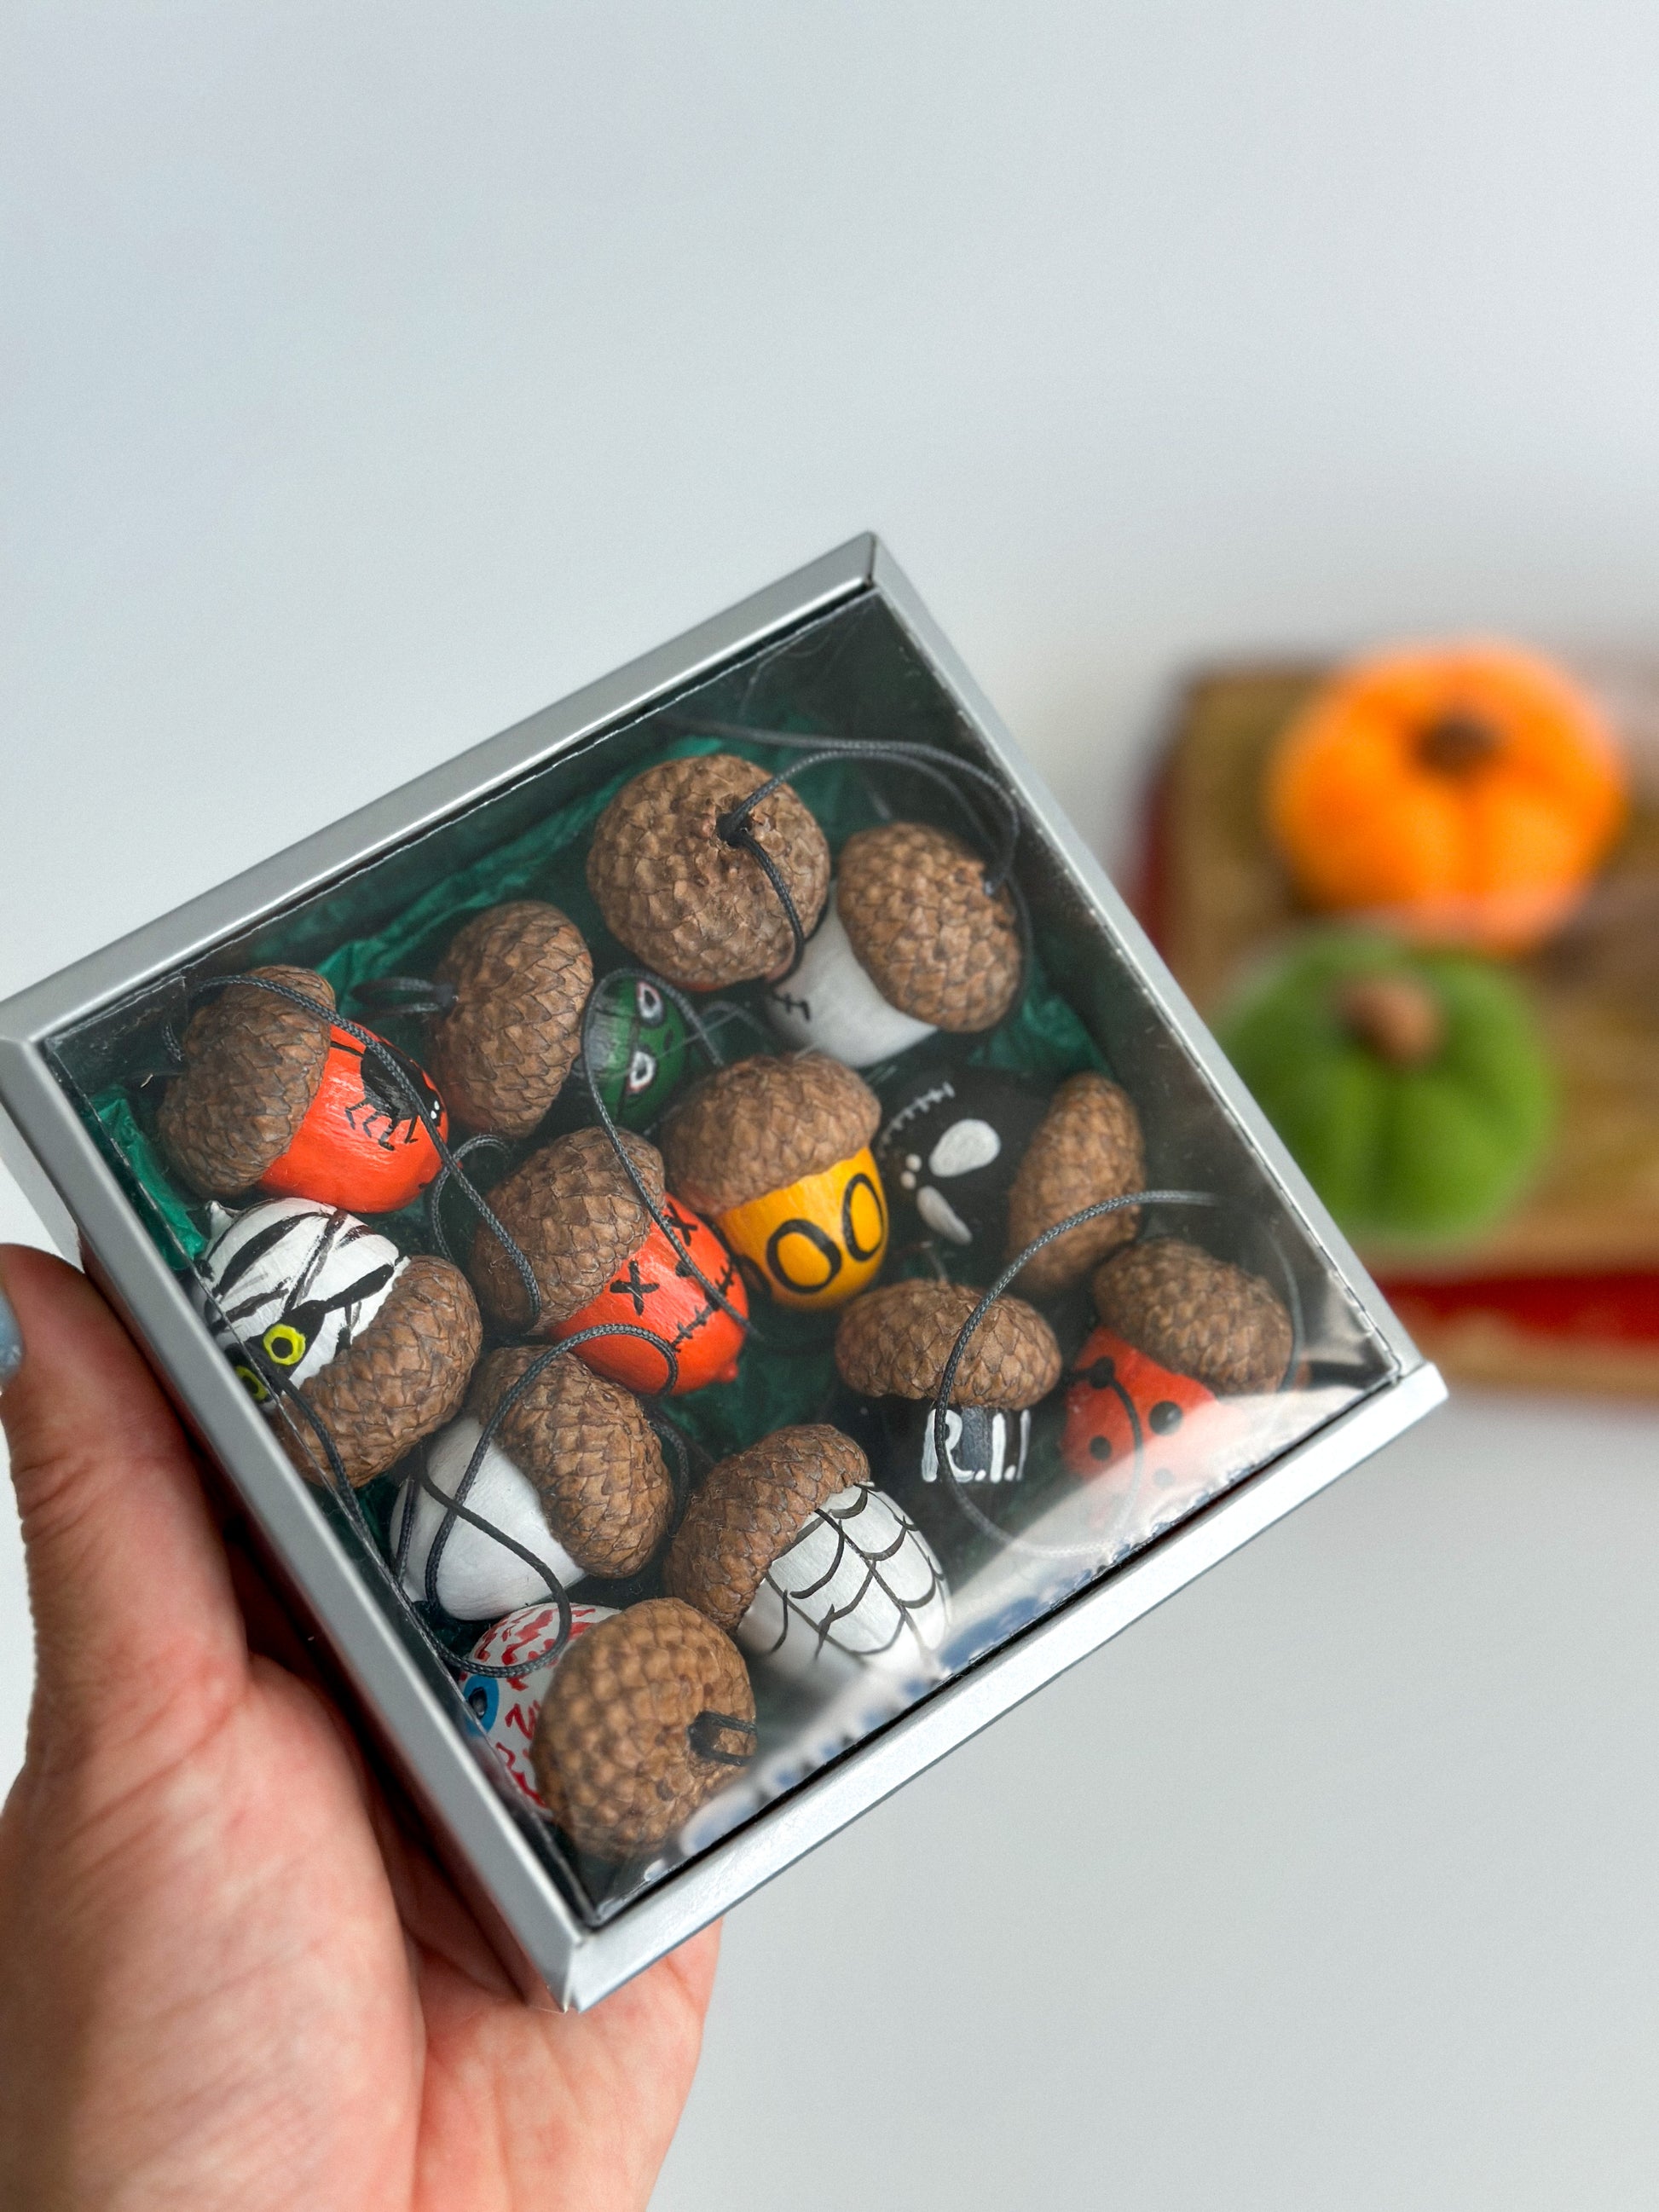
column 478, row 1578
column 506, row 1706
column 296, row 1283
column 830, row 1002
column 858, row 1586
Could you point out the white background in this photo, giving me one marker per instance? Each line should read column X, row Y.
column 375, row 373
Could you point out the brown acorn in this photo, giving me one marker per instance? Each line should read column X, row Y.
column 572, row 1213
column 894, row 1342
column 764, row 1123
column 1198, row 1315
column 252, row 1066
column 913, row 901
column 404, row 1378
column 1087, row 1147
column 751, row 1509
column 646, row 1716
column 521, row 975
column 698, row 910
column 594, row 1459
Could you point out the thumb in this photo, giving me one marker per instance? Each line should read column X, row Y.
column 134, row 1615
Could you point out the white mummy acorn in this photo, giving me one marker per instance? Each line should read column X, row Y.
column 790, row 1549
column 911, row 942
column 506, row 1706
column 307, row 1300
column 573, row 1476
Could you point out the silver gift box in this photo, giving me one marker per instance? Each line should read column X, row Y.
column 841, row 646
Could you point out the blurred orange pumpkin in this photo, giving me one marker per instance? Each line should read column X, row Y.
column 1466, row 793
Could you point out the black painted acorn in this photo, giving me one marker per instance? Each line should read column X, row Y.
column 949, row 1150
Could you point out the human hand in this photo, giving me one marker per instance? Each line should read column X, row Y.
column 227, row 1977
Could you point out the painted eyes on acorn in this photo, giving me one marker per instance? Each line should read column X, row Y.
column 817, row 1240
column 282, row 1345
column 252, row 1382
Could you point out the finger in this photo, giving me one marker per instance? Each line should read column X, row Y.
column 134, row 1615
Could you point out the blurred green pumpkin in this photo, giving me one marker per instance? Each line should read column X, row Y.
column 1413, row 1088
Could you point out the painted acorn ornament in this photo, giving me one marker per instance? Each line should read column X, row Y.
column 507, row 1706
column 573, row 1476
column 686, row 897
column 1087, row 1147
column 638, row 1048
column 645, row 1720
column 1150, row 1442
column 911, row 942
column 948, row 1151
column 892, row 1347
column 520, row 973
column 654, row 1290
column 790, row 1548
column 599, row 1258
column 272, row 1097
column 776, row 1151
column 1202, row 1316
column 483, row 1571
column 361, row 1145
column 306, row 1300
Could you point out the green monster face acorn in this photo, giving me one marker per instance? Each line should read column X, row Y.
column 637, row 1049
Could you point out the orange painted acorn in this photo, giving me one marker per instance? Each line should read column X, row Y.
column 360, row 1147
column 653, row 1289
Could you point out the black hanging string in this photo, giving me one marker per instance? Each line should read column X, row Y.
column 421, row 1109
column 941, row 1401
column 486, row 1140
column 679, row 1471
column 703, row 1729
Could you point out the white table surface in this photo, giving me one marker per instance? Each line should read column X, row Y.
column 378, row 375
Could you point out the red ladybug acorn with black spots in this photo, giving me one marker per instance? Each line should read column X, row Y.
column 1151, row 1440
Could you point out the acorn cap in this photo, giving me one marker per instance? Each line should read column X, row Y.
column 589, row 1450
column 894, row 1342
column 765, row 1123
column 701, row 912
column 572, row 1213
column 521, row 975
column 751, row 1509
column 403, row 1377
column 647, row 1716
column 1201, row 1315
column 253, row 1065
column 1087, row 1147
column 913, row 901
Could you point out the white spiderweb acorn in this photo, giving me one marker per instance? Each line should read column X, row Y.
column 789, row 1548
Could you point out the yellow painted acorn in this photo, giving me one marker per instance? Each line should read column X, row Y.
column 776, row 1151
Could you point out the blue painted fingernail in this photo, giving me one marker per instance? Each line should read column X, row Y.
column 11, row 1343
